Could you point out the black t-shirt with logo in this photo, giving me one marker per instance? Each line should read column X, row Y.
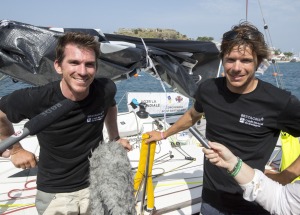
column 66, row 144
column 249, row 125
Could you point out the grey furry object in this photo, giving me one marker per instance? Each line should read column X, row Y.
column 111, row 181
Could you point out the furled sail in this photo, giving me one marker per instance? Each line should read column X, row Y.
column 27, row 53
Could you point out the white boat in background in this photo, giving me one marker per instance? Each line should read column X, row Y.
column 295, row 59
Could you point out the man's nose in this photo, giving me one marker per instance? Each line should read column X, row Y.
column 82, row 69
column 237, row 66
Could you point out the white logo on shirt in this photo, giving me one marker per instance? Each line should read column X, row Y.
column 251, row 120
column 95, row 117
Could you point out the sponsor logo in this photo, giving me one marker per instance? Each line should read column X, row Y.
column 179, row 99
column 51, row 109
column 251, row 120
column 95, row 117
column 18, row 134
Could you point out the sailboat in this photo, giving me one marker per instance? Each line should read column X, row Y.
column 178, row 162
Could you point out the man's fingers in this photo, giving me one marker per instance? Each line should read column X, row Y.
column 6, row 154
column 33, row 163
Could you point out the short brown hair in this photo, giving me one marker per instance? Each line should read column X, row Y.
column 245, row 34
column 82, row 40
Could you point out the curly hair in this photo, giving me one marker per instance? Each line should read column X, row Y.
column 245, row 35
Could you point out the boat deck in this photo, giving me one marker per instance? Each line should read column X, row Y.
column 177, row 174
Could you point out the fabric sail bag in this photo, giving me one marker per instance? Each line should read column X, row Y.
column 290, row 150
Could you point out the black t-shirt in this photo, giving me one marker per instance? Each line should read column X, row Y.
column 249, row 125
column 66, row 144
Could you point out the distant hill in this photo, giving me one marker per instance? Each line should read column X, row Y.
column 152, row 33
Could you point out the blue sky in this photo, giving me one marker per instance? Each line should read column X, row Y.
column 190, row 17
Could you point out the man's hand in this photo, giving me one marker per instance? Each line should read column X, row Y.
column 5, row 154
column 125, row 143
column 154, row 136
column 23, row 159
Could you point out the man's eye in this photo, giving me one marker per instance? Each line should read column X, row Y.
column 73, row 62
column 247, row 61
column 90, row 65
column 229, row 60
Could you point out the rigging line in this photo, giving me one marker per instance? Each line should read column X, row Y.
column 19, row 209
column 122, row 98
column 160, row 162
column 178, row 191
column 219, row 69
column 266, row 28
column 246, row 10
column 162, row 157
column 178, row 147
column 149, row 60
column 17, row 205
column 2, row 77
column 171, row 170
column 179, row 168
column 26, row 188
column 181, row 151
column 178, row 183
column 280, row 84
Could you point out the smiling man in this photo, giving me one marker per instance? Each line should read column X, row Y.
column 66, row 145
column 243, row 113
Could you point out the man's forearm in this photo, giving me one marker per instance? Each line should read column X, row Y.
column 6, row 127
column 6, row 130
column 287, row 175
column 184, row 122
column 111, row 123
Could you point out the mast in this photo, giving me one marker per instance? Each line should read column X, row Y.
column 246, row 10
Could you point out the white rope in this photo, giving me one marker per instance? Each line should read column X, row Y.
column 275, row 66
column 151, row 65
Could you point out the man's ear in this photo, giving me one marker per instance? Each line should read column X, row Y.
column 57, row 67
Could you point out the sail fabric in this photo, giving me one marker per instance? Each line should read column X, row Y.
column 27, row 53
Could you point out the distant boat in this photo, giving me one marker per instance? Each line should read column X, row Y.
column 282, row 61
column 295, row 59
column 279, row 59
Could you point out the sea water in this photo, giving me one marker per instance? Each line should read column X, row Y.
column 283, row 75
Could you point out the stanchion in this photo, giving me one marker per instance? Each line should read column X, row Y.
column 143, row 177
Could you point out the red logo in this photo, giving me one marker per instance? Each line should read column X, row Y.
column 179, row 99
column 18, row 133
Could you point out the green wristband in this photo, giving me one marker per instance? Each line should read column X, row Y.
column 236, row 168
